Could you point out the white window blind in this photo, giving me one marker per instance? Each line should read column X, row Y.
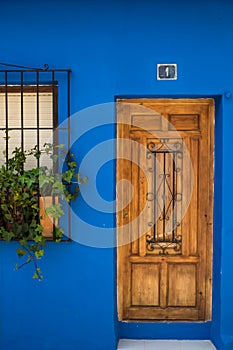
column 30, row 114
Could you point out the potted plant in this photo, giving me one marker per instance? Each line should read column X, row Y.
column 25, row 214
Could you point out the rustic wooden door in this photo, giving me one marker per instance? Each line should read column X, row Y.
column 164, row 202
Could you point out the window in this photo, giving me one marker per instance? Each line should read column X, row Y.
column 30, row 107
column 28, row 117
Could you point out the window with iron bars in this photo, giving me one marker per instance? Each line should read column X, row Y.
column 30, row 103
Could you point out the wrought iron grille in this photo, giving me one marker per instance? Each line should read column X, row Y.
column 167, row 158
column 22, row 94
column 33, row 102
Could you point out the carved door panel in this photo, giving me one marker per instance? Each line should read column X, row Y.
column 164, row 220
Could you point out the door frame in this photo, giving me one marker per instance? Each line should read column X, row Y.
column 210, row 252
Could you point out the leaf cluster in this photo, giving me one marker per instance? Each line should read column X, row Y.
column 20, row 192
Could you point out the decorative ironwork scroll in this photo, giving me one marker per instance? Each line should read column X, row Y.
column 166, row 163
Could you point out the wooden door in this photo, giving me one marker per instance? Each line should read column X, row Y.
column 164, row 220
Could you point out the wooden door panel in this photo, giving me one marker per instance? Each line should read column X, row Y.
column 193, row 226
column 184, row 122
column 173, row 314
column 145, row 284
column 182, row 285
column 165, row 267
column 146, row 121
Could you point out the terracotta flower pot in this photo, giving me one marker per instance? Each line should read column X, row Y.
column 46, row 221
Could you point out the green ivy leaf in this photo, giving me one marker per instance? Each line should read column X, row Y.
column 8, row 216
column 55, row 211
column 7, row 236
column 39, row 253
column 21, row 252
column 4, row 207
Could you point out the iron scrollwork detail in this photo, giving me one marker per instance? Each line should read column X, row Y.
column 164, row 246
column 167, row 197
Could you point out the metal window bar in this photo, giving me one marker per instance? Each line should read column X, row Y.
column 15, row 80
column 6, row 109
column 68, row 114
column 154, row 240
column 37, row 115
column 22, row 120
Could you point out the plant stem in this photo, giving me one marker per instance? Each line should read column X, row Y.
column 34, row 260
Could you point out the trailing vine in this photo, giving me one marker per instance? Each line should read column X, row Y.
column 20, row 191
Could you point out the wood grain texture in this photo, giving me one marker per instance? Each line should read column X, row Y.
column 186, row 122
column 146, row 122
column 176, row 286
column 182, row 285
column 145, row 284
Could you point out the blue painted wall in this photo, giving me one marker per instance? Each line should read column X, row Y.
column 112, row 48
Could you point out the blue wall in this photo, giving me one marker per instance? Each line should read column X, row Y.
column 112, row 48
